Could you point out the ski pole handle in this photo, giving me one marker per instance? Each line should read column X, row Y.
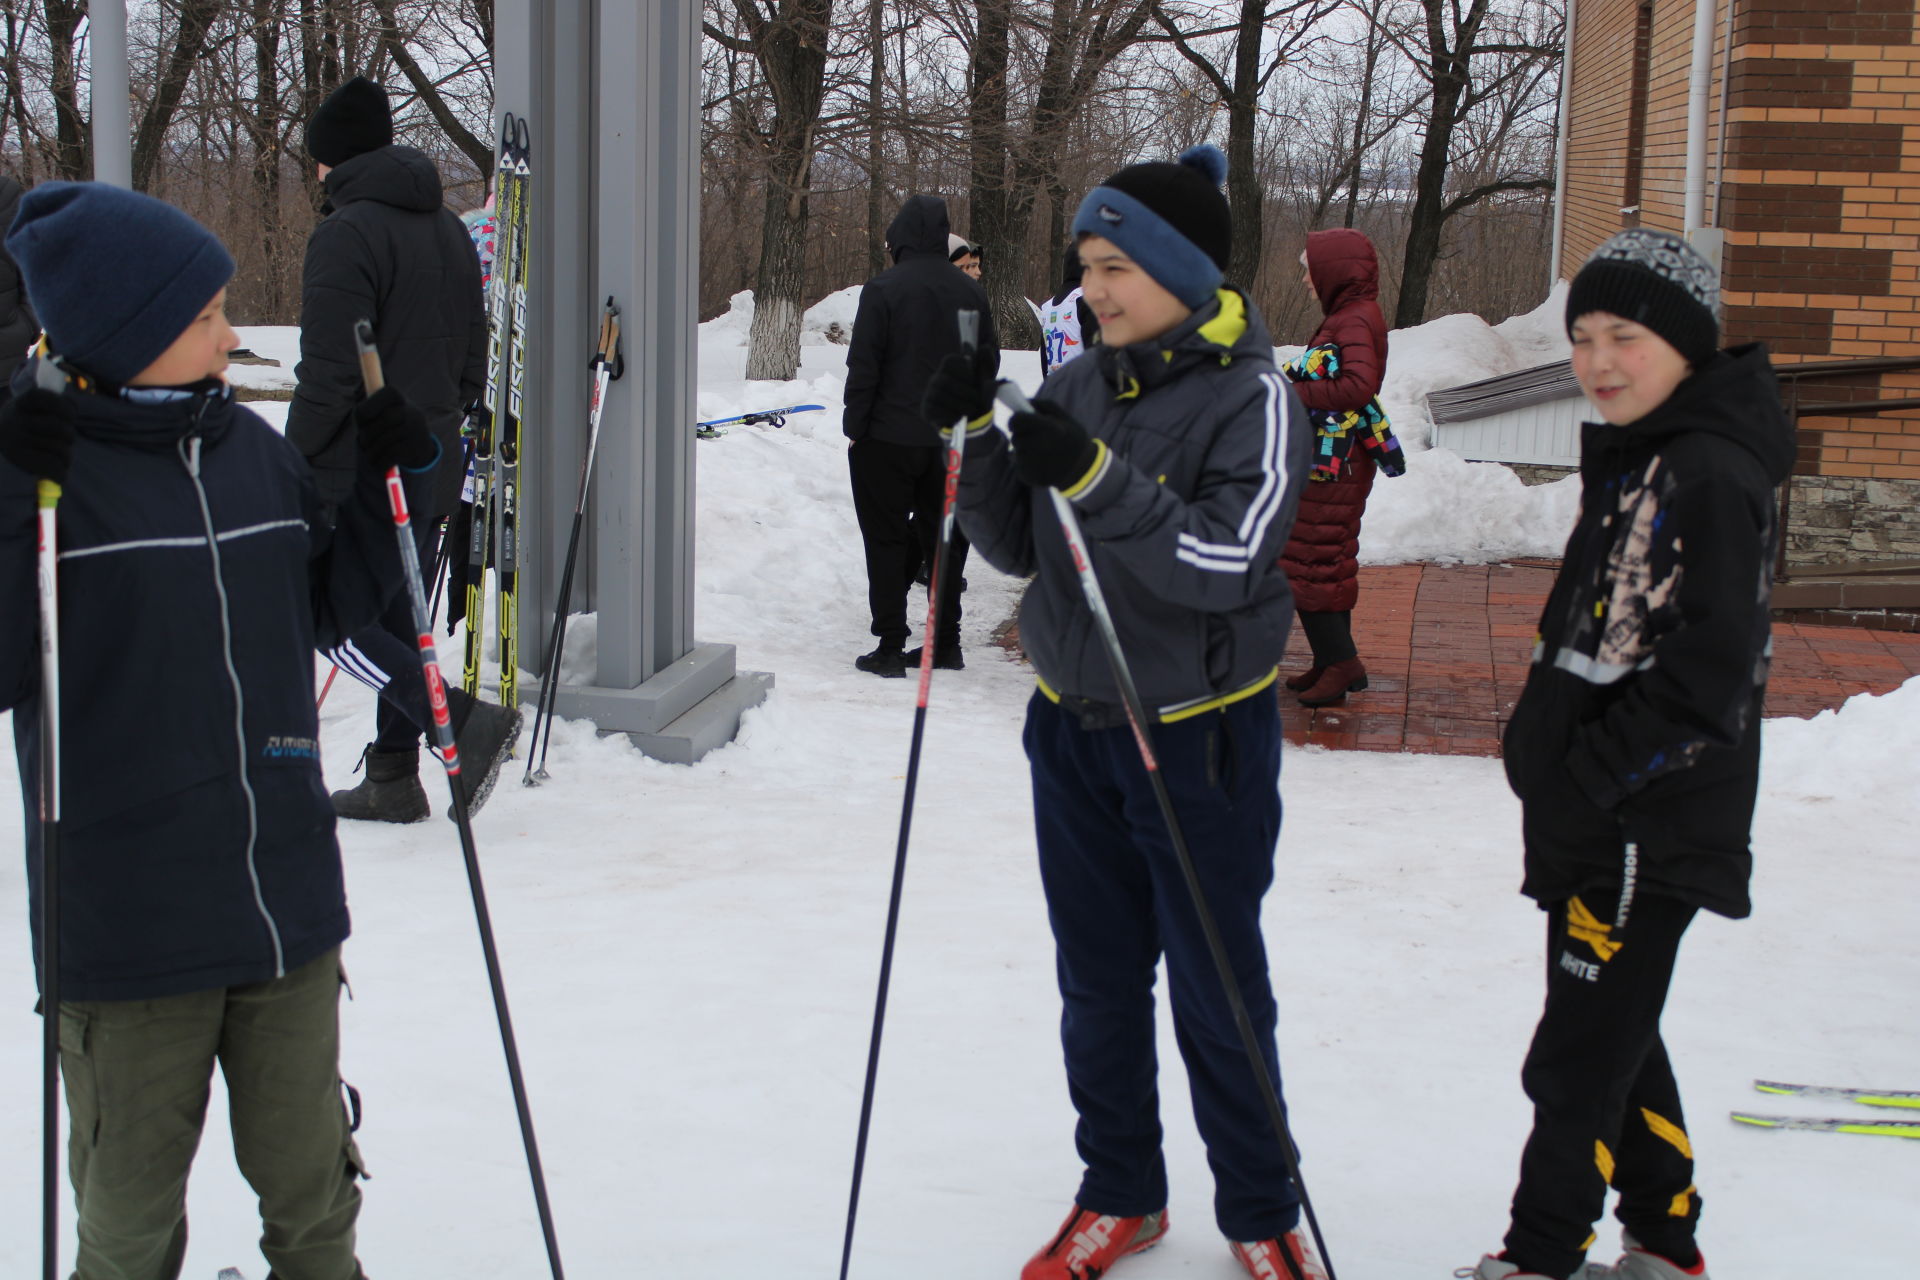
column 370, row 371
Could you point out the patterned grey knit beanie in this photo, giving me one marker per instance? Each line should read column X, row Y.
column 1657, row 279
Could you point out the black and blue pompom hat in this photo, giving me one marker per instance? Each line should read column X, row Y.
column 1171, row 218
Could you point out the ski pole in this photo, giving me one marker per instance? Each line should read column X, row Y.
column 371, row 374
column 606, row 366
column 1011, row 396
column 326, row 688
column 969, row 322
column 49, row 377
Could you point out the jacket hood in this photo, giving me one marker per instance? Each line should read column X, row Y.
column 920, row 227
column 1226, row 329
column 399, row 176
column 1343, row 267
column 1735, row 395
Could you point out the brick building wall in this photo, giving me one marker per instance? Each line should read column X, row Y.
column 1821, row 209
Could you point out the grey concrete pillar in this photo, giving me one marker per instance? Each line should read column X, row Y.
column 611, row 89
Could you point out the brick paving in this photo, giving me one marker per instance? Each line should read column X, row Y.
column 1446, row 648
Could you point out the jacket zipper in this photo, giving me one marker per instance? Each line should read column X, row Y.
column 190, row 454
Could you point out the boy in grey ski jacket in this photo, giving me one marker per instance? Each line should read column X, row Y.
column 1183, row 452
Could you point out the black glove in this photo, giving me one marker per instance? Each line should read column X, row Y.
column 393, row 433
column 36, row 434
column 958, row 389
column 1050, row 449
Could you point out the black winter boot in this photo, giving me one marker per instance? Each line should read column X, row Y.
column 391, row 791
column 886, row 661
column 484, row 734
column 946, row 657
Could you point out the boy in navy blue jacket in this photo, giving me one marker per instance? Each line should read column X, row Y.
column 202, row 902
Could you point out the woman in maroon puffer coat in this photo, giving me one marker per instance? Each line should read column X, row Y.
column 1321, row 556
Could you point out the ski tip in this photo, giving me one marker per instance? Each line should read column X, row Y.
column 1758, row 1122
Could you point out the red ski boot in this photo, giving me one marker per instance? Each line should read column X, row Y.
column 1088, row 1244
column 1263, row 1261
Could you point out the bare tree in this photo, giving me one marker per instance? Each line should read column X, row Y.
column 1240, row 94
column 1465, row 62
column 788, row 40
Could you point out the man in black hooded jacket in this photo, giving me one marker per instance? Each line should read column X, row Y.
column 905, row 326
column 388, row 252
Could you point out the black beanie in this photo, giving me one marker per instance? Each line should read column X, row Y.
column 354, row 120
column 1657, row 279
column 1139, row 205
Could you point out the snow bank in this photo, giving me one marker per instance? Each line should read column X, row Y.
column 1869, row 747
column 1448, row 509
column 831, row 319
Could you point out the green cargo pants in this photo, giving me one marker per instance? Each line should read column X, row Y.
column 138, row 1074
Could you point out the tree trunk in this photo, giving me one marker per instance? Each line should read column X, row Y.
column 72, row 156
column 1243, row 180
column 1360, row 121
column 1449, row 72
column 987, row 221
column 876, row 151
column 792, row 50
column 189, row 43
column 264, row 132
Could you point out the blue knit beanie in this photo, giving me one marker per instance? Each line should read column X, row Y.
column 114, row 276
column 1170, row 218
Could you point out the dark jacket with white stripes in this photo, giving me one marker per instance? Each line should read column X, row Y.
column 196, row 577
column 1204, row 452
column 1640, row 720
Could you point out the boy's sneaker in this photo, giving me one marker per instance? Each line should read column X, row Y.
column 1263, row 1260
column 1493, row 1268
column 946, row 657
column 1088, row 1244
column 1641, row 1263
column 391, row 791
column 886, row 661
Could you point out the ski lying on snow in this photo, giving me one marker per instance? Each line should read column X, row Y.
column 710, row 429
column 1875, row 1128
column 1866, row 1097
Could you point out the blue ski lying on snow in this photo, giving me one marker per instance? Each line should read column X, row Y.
column 1899, row 1098
column 711, row 429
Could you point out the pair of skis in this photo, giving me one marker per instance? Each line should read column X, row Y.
column 496, row 449
column 1904, row 1099
column 714, row 428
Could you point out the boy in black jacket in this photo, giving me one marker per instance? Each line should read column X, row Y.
column 1635, row 748
column 386, row 251
column 202, row 902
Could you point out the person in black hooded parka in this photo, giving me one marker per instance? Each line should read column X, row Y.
column 387, row 251
column 905, row 327
column 18, row 327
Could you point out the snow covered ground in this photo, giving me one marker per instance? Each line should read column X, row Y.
column 691, row 954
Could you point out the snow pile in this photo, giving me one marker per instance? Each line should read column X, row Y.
column 831, row 319
column 731, row 327
column 1869, row 747
column 1449, row 510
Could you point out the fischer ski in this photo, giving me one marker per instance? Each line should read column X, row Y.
column 1865, row 1097
column 1875, row 1128
column 507, row 489
column 488, row 425
column 710, row 429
